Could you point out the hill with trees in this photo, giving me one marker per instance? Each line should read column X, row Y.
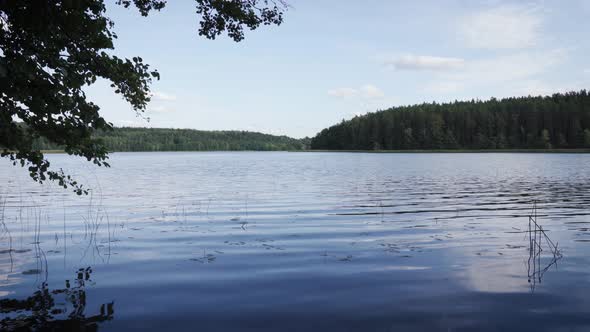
column 558, row 121
column 156, row 139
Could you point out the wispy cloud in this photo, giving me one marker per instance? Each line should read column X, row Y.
column 368, row 91
column 162, row 96
column 423, row 62
column 160, row 109
column 546, row 88
column 513, row 71
column 161, row 102
column 343, row 92
column 445, row 86
column 503, row 27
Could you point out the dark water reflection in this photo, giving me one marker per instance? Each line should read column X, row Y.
column 300, row 241
column 43, row 311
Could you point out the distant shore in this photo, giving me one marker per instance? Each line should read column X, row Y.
column 381, row 151
column 460, row 151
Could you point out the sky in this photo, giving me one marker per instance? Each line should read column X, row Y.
column 333, row 59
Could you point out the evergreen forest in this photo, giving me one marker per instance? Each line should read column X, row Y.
column 560, row 121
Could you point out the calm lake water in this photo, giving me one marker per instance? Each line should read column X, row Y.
column 300, row 241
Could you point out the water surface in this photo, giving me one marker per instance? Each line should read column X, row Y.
column 299, row 241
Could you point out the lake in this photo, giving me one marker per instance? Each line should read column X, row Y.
column 278, row 241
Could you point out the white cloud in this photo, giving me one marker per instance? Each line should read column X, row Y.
column 536, row 88
column 160, row 102
column 161, row 96
column 516, row 66
column 424, row 62
column 509, row 71
column 370, row 91
column 160, row 109
column 547, row 88
column 343, row 92
column 445, row 87
column 503, row 27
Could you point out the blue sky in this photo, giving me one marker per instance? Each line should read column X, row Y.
column 333, row 59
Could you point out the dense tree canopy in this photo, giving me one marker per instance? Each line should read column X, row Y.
column 161, row 139
column 51, row 50
column 558, row 121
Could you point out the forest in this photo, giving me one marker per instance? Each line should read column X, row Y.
column 560, row 121
column 156, row 139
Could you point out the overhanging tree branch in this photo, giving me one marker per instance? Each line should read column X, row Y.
column 51, row 50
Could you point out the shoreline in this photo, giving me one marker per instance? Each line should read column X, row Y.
column 372, row 151
column 459, row 151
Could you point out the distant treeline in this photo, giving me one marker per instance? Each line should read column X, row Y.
column 154, row 139
column 558, row 121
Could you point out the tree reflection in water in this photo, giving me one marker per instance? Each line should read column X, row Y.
column 43, row 311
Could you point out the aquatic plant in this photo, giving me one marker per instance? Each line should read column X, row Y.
column 537, row 236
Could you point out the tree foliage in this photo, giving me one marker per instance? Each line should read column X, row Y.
column 160, row 139
column 51, row 50
column 558, row 121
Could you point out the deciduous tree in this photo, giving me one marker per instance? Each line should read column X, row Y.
column 51, row 50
